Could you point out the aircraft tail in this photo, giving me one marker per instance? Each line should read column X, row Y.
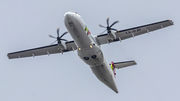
column 120, row 65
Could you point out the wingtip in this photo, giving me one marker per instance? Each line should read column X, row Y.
column 171, row 21
column 135, row 62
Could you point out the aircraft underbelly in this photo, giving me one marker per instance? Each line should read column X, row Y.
column 91, row 56
column 77, row 32
column 105, row 75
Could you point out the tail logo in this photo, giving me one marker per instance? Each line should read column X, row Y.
column 113, row 68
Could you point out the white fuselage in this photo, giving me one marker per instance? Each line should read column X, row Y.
column 89, row 50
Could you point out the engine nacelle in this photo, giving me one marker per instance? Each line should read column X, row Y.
column 112, row 35
column 62, row 45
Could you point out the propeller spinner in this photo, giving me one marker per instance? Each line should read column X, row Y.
column 59, row 38
column 109, row 28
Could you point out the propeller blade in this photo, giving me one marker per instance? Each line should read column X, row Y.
column 108, row 21
column 63, row 39
column 53, row 42
column 114, row 23
column 103, row 32
column 114, row 29
column 101, row 26
column 108, row 28
column 58, row 32
column 63, row 34
column 52, row 36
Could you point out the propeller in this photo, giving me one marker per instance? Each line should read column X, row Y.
column 58, row 38
column 109, row 28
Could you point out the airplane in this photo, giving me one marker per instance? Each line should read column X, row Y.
column 89, row 47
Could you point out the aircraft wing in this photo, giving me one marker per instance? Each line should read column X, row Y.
column 132, row 32
column 46, row 50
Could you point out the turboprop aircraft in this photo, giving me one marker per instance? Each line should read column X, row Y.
column 88, row 47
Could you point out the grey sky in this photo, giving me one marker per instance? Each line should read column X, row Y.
column 26, row 24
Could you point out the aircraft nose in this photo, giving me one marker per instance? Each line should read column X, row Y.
column 68, row 15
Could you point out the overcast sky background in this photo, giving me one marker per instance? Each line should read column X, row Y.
column 25, row 24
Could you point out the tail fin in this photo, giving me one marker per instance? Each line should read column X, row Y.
column 120, row 65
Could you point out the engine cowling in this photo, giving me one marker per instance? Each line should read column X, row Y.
column 62, row 46
column 112, row 35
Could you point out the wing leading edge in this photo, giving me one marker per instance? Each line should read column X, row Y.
column 46, row 50
column 132, row 32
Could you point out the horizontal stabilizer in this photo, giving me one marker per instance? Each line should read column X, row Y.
column 120, row 65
